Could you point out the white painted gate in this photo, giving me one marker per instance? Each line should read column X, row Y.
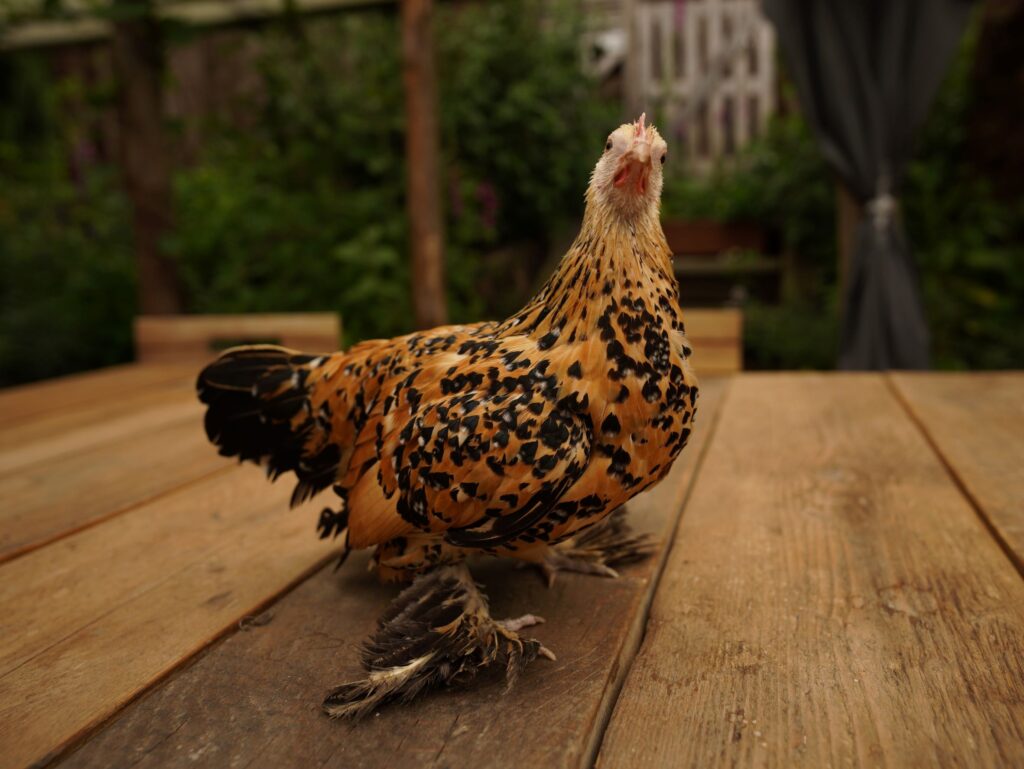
column 705, row 69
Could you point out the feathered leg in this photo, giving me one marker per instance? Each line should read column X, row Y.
column 438, row 631
column 597, row 549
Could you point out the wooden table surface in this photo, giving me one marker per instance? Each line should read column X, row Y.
column 838, row 583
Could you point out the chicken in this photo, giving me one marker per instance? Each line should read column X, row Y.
column 513, row 439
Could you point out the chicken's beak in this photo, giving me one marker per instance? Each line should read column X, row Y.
column 635, row 166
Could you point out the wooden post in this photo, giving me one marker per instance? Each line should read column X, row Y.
column 422, row 150
column 145, row 155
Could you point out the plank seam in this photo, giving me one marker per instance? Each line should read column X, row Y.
column 24, row 550
column 11, row 417
column 12, row 469
column 958, row 481
column 187, row 659
column 638, row 632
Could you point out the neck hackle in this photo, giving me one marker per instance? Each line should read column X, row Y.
column 612, row 255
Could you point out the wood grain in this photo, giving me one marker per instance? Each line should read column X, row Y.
column 976, row 422
column 718, row 360
column 717, row 339
column 90, row 621
column 255, row 697
column 57, row 495
column 68, row 431
column 423, row 152
column 171, row 338
column 831, row 600
column 26, row 402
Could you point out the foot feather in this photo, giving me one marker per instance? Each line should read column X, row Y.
column 598, row 549
column 438, row 631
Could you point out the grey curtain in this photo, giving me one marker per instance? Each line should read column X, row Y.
column 865, row 73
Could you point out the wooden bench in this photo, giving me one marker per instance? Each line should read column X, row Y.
column 705, row 261
column 717, row 339
column 187, row 338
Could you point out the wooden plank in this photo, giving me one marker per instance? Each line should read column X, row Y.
column 717, row 339
column 254, row 699
column 19, row 404
column 696, row 236
column 92, row 620
column 205, row 13
column 716, row 360
column 831, row 600
column 54, row 497
column 976, row 422
column 724, row 323
column 76, row 429
column 196, row 337
column 201, row 13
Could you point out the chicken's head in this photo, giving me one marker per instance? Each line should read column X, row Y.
column 628, row 178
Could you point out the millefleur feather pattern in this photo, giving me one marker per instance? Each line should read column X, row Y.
column 508, row 438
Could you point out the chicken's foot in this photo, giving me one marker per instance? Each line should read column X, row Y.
column 437, row 631
column 598, row 549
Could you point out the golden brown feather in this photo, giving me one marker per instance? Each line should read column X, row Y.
column 503, row 438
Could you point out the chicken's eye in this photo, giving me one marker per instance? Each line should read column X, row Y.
column 608, row 145
column 663, row 158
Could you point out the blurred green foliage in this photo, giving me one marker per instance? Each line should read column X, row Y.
column 300, row 204
column 301, row 207
column 969, row 245
column 778, row 180
column 67, row 285
column 305, row 208
column 781, row 182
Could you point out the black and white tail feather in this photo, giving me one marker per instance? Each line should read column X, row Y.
column 260, row 410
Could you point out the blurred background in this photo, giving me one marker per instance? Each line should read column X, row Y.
column 210, row 156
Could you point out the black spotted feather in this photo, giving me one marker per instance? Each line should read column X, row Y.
column 505, row 438
column 515, row 439
column 259, row 408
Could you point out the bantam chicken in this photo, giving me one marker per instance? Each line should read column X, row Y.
column 515, row 439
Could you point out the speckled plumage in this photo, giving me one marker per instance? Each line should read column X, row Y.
column 501, row 437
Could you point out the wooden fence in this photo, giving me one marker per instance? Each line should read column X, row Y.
column 706, row 68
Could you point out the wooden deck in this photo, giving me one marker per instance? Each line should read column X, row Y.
column 838, row 584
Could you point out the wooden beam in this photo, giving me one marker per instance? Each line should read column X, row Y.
column 198, row 338
column 39, row 33
column 422, row 151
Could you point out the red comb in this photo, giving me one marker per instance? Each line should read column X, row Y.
column 640, row 129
